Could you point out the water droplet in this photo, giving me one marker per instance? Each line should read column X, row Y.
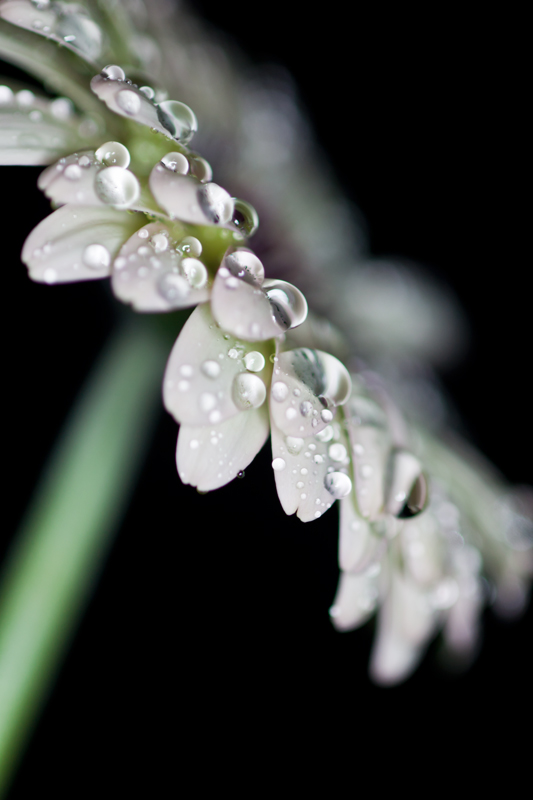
column 326, row 435
column 84, row 161
column 117, row 186
column 318, row 459
column 306, row 408
column 216, row 203
column 300, row 485
column 234, row 353
column 245, row 265
column 304, row 471
column 245, row 217
column 24, row 98
column 278, row 464
column 207, row 401
column 280, row 391
column 195, row 271
column 50, row 275
column 6, row 95
column 129, row 101
column 201, row 169
column 194, row 444
column 248, row 391
column 366, row 471
column 96, row 256
column 147, row 91
column 173, row 287
column 114, row 73
column 36, row 115
column 184, row 386
column 241, row 474
column 338, row 484
column 294, row 445
column 326, row 415
column 176, row 162
column 186, row 370
column 113, row 154
column 358, row 449
column 337, row 452
column 291, row 413
column 289, row 306
column 190, row 246
column 72, row 172
column 179, row 120
column 254, row 361
column 211, row 369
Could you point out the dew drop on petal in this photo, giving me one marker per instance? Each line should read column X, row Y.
column 245, row 217
column 294, row 445
column 129, row 101
column 254, row 361
column 72, row 172
column 113, row 154
column 207, row 401
column 194, row 444
column 173, row 287
column 176, row 162
column 216, row 203
column 325, row 435
column 306, row 408
column 278, row 464
column 337, row 452
column 288, row 304
column 195, row 271
column 113, row 73
column 6, row 95
column 178, row 119
column 211, row 369
column 338, row 484
column 96, row 256
column 280, row 391
column 117, row 186
column 147, row 91
column 326, row 415
column 190, row 246
column 201, row 169
column 248, row 391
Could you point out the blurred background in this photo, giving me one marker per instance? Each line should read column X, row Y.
column 213, row 609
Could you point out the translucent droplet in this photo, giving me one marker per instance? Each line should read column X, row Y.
column 84, row 161
column 173, row 287
column 179, row 120
column 117, row 186
column 326, row 435
column 278, row 464
column 72, row 172
column 114, row 73
column 326, row 415
column 190, row 246
column 366, row 471
column 245, row 217
column 176, row 162
column 289, row 306
column 337, row 452
column 129, row 101
column 280, row 391
column 245, row 265
column 159, row 242
column 147, row 91
column 207, row 401
column 294, row 445
column 248, row 391
column 216, row 203
column 416, row 500
column 254, row 361
column 201, row 169
column 338, row 484
column 306, row 408
column 211, row 369
column 96, row 256
column 241, row 474
column 195, row 271
column 113, row 154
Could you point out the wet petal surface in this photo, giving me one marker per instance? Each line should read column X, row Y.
column 184, row 197
column 360, row 546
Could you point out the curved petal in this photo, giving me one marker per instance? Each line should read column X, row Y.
column 66, row 23
column 77, row 243
column 152, row 275
column 359, row 545
column 310, row 473
column 185, row 198
column 206, row 379
column 371, row 443
column 307, row 386
column 209, row 457
column 355, row 600
column 407, row 492
column 242, row 308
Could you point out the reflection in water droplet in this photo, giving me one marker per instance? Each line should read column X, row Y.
column 337, row 452
column 280, row 391
column 248, row 391
column 289, row 306
column 190, row 246
column 211, row 369
column 245, row 217
column 278, row 464
column 113, row 154
column 96, row 256
column 294, row 445
column 114, row 73
column 147, row 91
column 176, row 162
column 338, row 484
column 201, row 169
column 117, row 186
column 129, row 101
column 254, row 361
column 179, row 120
column 245, row 265
column 216, row 203
column 195, row 271
column 173, row 287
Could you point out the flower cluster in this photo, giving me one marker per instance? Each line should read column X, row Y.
column 134, row 203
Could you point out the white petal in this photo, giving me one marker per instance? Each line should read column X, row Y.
column 30, row 133
column 185, row 198
column 406, row 621
column 151, row 275
column 211, row 456
column 308, row 480
column 68, row 24
column 406, row 478
column 202, row 384
column 422, row 549
column 359, row 546
column 242, row 308
column 61, row 249
column 307, row 385
column 355, row 600
column 370, row 444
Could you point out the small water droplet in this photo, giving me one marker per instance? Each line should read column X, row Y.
column 211, row 369
column 254, row 361
column 366, row 471
column 280, row 391
column 306, row 408
column 300, row 485
column 179, row 120
column 278, row 464
column 173, row 287
column 72, row 172
column 24, row 98
column 338, row 484
column 50, row 275
column 216, row 203
column 304, row 471
column 147, row 91
column 159, row 242
column 84, row 161
column 234, row 353
column 113, row 73
column 195, row 271
column 6, row 95
column 176, row 162
column 117, row 186
column 245, row 217
column 194, row 444
column 337, row 452
column 201, row 169
column 129, row 101
column 241, row 474
column 207, row 401
column 96, row 256
column 358, row 449
column 291, row 413
column 113, row 154
column 190, row 246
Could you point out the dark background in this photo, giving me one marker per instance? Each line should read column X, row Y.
column 209, row 627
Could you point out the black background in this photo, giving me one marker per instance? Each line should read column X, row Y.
column 208, row 633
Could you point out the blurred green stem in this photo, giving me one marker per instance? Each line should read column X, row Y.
column 78, row 505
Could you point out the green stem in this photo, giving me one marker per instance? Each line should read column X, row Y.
column 57, row 554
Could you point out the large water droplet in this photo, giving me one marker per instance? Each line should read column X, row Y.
column 278, row 464
column 147, row 91
column 326, row 435
column 216, row 203
column 280, row 391
column 179, row 120
column 338, row 484
column 173, row 287
column 114, row 73
column 248, row 391
column 289, row 306
column 254, row 361
column 117, row 186
column 129, row 101
column 195, row 271
column 176, row 162
column 113, row 154
column 245, row 217
column 96, row 256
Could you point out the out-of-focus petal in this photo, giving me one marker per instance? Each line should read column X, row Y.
column 370, row 444
column 35, row 130
column 310, row 473
column 153, row 274
column 407, row 491
column 422, row 549
column 307, row 386
column 360, row 546
column 211, row 456
column 355, row 600
column 207, row 380
column 68, row 24
column 77, row 243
